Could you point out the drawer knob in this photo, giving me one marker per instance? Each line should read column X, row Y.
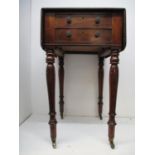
column 68, row 34
column 97, row 34
column 69, row 20
column 97, row 21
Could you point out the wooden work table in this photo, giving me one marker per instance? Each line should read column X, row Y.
column 83, row 31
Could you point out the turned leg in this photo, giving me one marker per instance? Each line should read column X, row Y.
column 61, row 84
column 50, row 75
column 113, row 83
column 100, row 85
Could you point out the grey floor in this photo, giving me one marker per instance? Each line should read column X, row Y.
column 76, row 136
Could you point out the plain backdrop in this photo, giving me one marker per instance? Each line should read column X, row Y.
column 81, row 80
column 25, row 108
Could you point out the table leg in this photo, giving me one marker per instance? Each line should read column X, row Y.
column 50, row 75
column 61, row 84
column 100, row 85
column 113, row 83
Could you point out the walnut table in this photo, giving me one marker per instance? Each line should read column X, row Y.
column 83, row 31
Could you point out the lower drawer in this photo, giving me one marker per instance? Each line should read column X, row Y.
column 83, row 36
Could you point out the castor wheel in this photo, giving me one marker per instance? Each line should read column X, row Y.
column 54, row 144
column 112, row 144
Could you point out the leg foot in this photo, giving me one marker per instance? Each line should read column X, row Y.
column 100, row 116
column 54, row 144
column 112, row 145
column 61, row 115
column 61, row 109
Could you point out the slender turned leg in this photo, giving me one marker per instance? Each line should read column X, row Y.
column 50, row 75
column 61, row 84
column 113, row 83
column 100, row 85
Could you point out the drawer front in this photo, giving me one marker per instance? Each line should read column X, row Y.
column 83, row 21
column 83, row 36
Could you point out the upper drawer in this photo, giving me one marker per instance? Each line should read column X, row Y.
column 83, row 20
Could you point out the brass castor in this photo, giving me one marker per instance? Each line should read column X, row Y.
column 54, row 144
column 112, row 144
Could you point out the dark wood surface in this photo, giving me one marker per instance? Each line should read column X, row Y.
column 83, row 20
column 50, row 75
column 83, row 31
column 86, row 36
column 100, row 85
column 113, row 83
column 61, row 84
column 76, row 30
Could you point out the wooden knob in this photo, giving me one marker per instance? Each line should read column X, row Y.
column 97, row 21
column 69, row 20
column 97, row 34
column 68, row 34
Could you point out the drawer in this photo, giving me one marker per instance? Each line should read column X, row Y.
column 83, row 21
column 83, row 36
